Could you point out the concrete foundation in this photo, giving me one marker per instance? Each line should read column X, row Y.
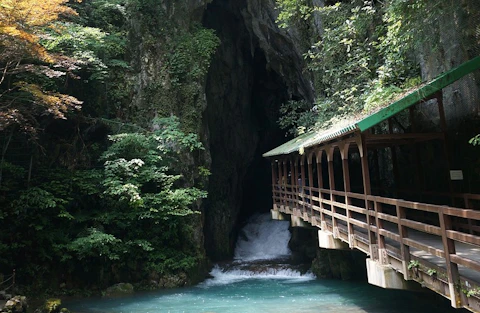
column 276, row 215
column 326, row 240
column 386, row 277
column 297, row 221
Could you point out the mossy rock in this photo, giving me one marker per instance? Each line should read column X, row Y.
column 117, row 290
column 17, row 304
column 52, row 305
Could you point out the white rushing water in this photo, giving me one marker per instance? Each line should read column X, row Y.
column 260, row 253
column 263, row 239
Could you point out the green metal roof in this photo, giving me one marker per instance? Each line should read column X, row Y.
column 316, row 137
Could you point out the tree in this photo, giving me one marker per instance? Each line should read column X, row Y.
column 23, row 98
column 145, row 202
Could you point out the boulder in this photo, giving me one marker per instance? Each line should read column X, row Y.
column 52, row 305
column 172, row 281
column 117, row 290
column 17, row 304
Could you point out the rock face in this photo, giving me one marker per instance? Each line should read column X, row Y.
column 157, row 31
column 234, row 108
column 450, row 46
column 339, row 264
column 257, row 67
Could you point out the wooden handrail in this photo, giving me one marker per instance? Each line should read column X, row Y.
column 317, row 205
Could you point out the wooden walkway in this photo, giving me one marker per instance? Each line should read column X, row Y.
column 437, row 246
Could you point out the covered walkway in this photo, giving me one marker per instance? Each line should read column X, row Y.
column 366, row 185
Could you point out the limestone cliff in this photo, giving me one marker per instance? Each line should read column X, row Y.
column 256, row 68
column 233, row 107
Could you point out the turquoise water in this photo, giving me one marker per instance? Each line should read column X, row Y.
column 275, row 296
column 258, row 281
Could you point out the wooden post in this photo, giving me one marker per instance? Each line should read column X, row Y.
column 310, row 185
column 404, row 249
column 346, row 187
column 362, row 147
column 302, row 183
column 280, row 183
column 295, row 183
column 319, row 170
column 331, row 179
column 452, row 268
column 320, row 186
column 274, row 185
column 331, row 171
column 382, row 251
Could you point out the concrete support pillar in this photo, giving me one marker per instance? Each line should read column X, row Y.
column 327, row 241
column 385, row 277
column 276, row 215
column 297, row 221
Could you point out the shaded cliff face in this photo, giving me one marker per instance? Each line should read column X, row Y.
column 256, row 68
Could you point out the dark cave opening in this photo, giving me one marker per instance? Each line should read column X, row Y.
column 244, row 95
column 268, row 92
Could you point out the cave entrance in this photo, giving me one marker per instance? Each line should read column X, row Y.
column 244, row 95
column 268, row 93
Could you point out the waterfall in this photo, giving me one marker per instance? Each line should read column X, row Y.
column 261, row 253
column 263, row 239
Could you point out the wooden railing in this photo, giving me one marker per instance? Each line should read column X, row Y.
column 432, row 244
column 461, row 200
column 7, row 283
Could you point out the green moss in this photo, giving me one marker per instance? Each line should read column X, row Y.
column 52, row 305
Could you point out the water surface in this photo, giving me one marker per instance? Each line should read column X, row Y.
column 260, row 280
column 275, row 295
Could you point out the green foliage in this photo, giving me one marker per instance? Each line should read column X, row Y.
column 360, row 63
column 96, row 244
column 66, row 214
column 144, row 193
column 130, row 215
column 413, row 264
column 296, row 116
column 291, row 11
column 365, row 57
column 431, row 272
column 191, row 55
column 474, row 292
column 475, row 140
